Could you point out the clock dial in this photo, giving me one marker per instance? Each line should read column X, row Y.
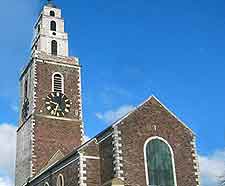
column 57, row 104
column 25, row 108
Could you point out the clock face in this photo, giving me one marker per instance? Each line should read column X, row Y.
column 57, row 104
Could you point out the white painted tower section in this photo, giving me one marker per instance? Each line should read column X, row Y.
column 44, row 36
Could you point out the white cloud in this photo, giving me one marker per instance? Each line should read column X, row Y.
column 212, row 168
column 8, row 150
column 113, row 115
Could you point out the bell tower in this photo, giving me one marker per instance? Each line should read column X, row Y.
column 50, row 124
column 49, row 31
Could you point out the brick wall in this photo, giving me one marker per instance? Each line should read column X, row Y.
column 51, row 134
column 70, row 174
column 93, row 172
column 152, row 119
column 71, row 86
column 106, row 154
column 92, row 163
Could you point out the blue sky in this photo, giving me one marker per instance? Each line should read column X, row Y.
column 130, row 50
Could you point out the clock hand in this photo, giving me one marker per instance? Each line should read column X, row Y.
column 56, row 109
column 54, row 103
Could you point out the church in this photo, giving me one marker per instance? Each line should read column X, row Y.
column 149, row 146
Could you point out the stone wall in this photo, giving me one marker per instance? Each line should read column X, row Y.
column 23, row 153
column 25, row 128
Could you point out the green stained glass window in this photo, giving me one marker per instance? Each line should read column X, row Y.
column 159, row 163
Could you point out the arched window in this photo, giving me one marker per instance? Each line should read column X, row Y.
column 159, row 163
column 54, row 47
column 53, row 26
column 60, row 180
column 57, row 82
column 25, row 88
column 52, row 13
column 39, row 28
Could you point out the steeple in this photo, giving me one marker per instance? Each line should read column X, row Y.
column 49, row 36
column 50, row 123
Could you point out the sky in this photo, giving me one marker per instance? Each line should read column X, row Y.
column 129, row 50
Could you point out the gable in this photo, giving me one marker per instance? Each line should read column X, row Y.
column 150, row 120
column 152, row 103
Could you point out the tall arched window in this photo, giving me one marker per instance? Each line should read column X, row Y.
column 39, row 28
column 53, row 26
column 25, row 88
column 159, row 163
column 54, row 47
column 52, row 13
column 60, row 180
column 57, row 82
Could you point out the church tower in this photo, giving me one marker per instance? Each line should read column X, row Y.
column 50, row 124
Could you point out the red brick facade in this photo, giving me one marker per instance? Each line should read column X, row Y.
column 98, row 154
column 71, row 74
column 152, row 119
column 40, row 135
column 51, row 134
